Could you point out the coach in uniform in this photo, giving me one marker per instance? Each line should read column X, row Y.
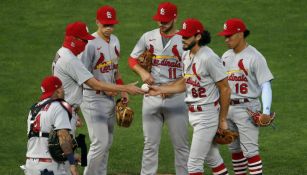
column 166, row 45
column 51, row 116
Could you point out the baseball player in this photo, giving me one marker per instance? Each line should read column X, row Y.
column 73, row 73
column 248, row 77
column 44, row 117
column 166, row 45
column 207, row 96
column 100, row 57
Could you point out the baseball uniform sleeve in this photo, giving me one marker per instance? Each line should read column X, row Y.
column 139, row 48
column 117, row 49
column 60, row 116
column 88, row 56
column 78, row 72
column 262, row 70
column 215, row 68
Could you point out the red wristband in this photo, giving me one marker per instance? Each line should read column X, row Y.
column 132, row 62
column 119, row 81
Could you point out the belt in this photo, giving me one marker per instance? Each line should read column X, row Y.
column 198, row 108
column 37, row 134
column 238, row 101
column 41, row 159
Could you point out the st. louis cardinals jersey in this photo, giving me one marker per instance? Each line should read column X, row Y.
column 53, row 114
column 201, row 73
column 167, row 63
column 101, row 58
column 72, row 73
column 246, row 71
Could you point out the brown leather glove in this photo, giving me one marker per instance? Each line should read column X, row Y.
column 124, row 114
column 145, row 60
column 225, row 136
column 260, row 119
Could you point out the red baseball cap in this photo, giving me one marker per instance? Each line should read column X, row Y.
column 49, row 85
column 106, row 15
column 78, row 29
column 166, row 12
column 191, row 27
column 233, row 26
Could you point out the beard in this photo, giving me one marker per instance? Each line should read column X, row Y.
column 166, row 29
column 190, row 46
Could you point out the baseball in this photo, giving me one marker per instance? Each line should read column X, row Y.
column 145, row 87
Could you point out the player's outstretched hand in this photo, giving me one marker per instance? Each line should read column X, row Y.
column 132, row 89
column 154, row 90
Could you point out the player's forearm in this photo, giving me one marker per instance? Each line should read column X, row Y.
column 103, row 86
column 224, row 100
column 65, row 141
column 266, row 97
column 176, row 87
column 138, row 69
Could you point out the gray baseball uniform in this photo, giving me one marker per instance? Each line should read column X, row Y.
column 167, row 67
column 201, row 73
column 38, row 156
column 246, row 70
column 100, row 58
column 73, row 74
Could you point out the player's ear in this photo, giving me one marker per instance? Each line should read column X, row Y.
column 198, row 36
column 97, row 22
column 241, row 35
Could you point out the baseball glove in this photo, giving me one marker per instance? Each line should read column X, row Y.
column 225, row 136
column 55, row 149
column 145, row 60
column 260, row 119
column 124, row 114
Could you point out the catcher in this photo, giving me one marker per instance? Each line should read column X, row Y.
column 45, row 116
column 124, row 114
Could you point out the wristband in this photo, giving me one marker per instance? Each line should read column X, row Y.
column 132, row 62
column 71, row 159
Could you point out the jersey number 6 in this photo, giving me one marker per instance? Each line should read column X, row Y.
column 241, row 88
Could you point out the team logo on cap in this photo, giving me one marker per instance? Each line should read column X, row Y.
column 109, row 15
column 43, row 90
column 162, row 11
column 225, row 26
column 184, row 26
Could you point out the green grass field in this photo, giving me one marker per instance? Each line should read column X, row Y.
column 33, row 30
